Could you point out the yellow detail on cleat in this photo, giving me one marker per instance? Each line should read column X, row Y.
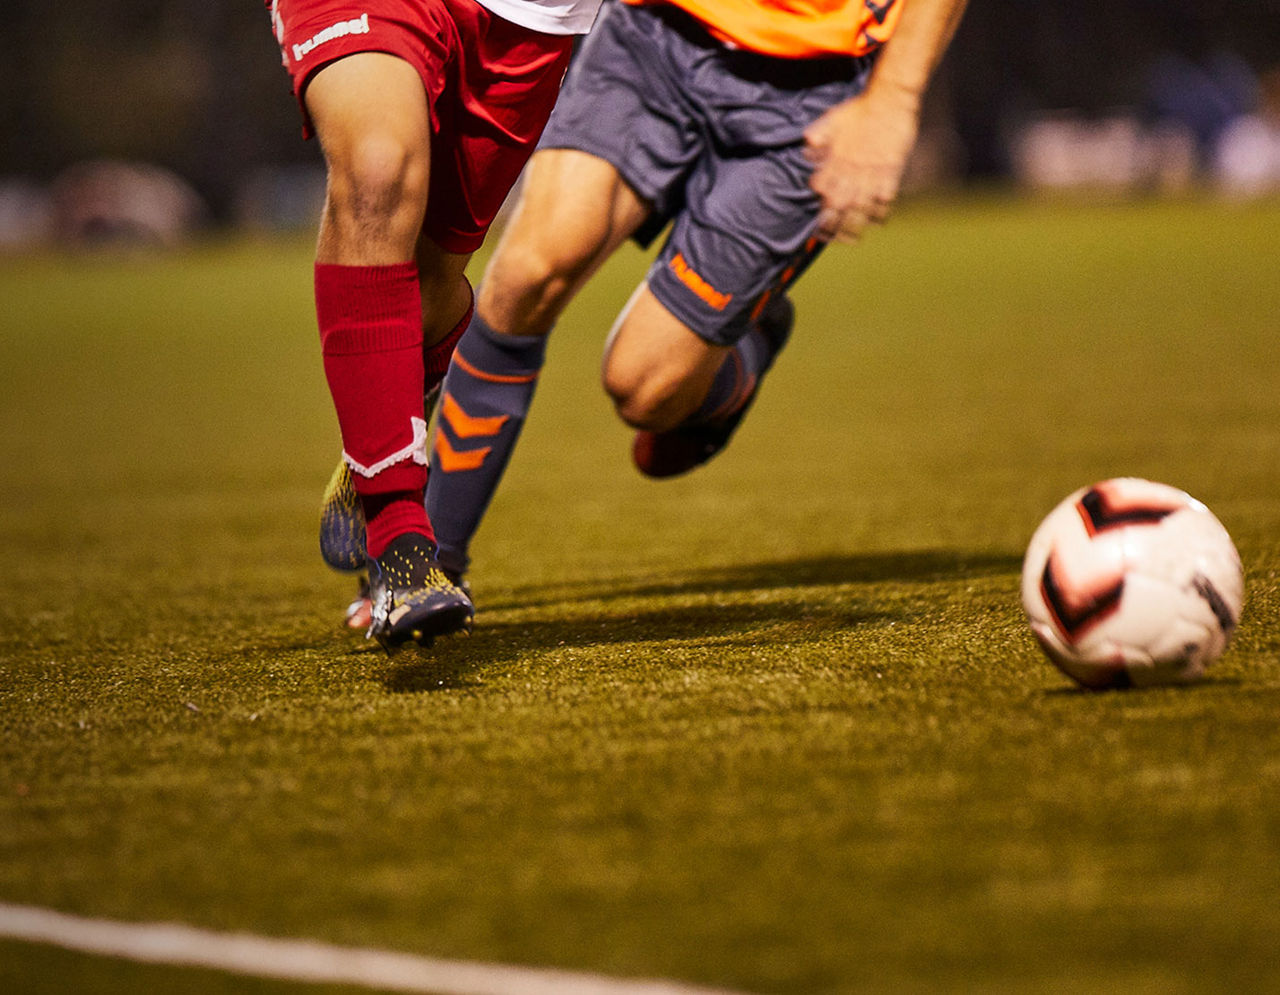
column 342, row 528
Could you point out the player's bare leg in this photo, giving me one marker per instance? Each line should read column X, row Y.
column 574, row 211
column 685, row 395
column 370, row 310
column 656, row 370
column 550, row 247
column 447, row 305
column 342, row 524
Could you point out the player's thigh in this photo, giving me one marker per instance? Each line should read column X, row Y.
column 379, row 166
column 338, row 99
column 573, row 211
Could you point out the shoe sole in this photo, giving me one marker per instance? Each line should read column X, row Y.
column 446, row 621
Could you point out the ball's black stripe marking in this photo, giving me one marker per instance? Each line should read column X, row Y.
column 1072, row 624
column 1101, row 516
column 1216, row 602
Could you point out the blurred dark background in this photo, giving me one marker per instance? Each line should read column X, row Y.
column 195, row 88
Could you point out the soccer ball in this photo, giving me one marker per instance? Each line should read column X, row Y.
column 1132, row 583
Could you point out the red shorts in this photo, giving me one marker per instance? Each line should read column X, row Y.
column 490, row 87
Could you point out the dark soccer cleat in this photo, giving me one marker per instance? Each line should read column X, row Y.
column 411, row 598
column 359, row 613
column 342, row 535
column 680, row 449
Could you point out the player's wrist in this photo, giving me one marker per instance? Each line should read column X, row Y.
column 898, row 94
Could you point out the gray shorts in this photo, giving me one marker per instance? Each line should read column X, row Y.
column 713, row 139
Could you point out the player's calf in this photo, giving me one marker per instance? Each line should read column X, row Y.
column 693, row 442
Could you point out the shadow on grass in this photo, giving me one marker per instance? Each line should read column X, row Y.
column 603, row 612
column 871, row 568
column 1132, row 691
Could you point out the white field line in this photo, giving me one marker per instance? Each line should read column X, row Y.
column 304, row 960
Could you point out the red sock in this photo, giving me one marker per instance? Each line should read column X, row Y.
column 388, row 516
column 370, row 320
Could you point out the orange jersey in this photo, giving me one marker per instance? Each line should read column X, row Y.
column 796, row 29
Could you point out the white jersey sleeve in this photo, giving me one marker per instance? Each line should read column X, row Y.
column 552, row 17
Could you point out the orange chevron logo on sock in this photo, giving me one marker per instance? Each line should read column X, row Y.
column 467, row 426
column 452, row 460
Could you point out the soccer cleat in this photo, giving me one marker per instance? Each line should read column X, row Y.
column 342, row 535
column 411, row 598
column 360, row 612
column 688, row 445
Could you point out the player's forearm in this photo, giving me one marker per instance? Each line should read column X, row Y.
column 907, row 62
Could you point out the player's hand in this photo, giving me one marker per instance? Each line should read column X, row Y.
column 859, row 149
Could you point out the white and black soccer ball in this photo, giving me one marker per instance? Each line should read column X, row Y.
column 1132, row 583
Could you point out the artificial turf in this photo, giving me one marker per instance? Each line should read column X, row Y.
column 777, row 726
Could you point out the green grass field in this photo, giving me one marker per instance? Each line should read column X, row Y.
column 778, row 726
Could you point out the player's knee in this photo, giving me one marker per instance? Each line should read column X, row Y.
column 376, row 179
column 524, row 269
column 645, row 399
column 529, row 284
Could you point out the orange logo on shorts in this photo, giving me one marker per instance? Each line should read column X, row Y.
column 698, row 285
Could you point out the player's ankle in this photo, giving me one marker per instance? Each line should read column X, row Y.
column 390, row 515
